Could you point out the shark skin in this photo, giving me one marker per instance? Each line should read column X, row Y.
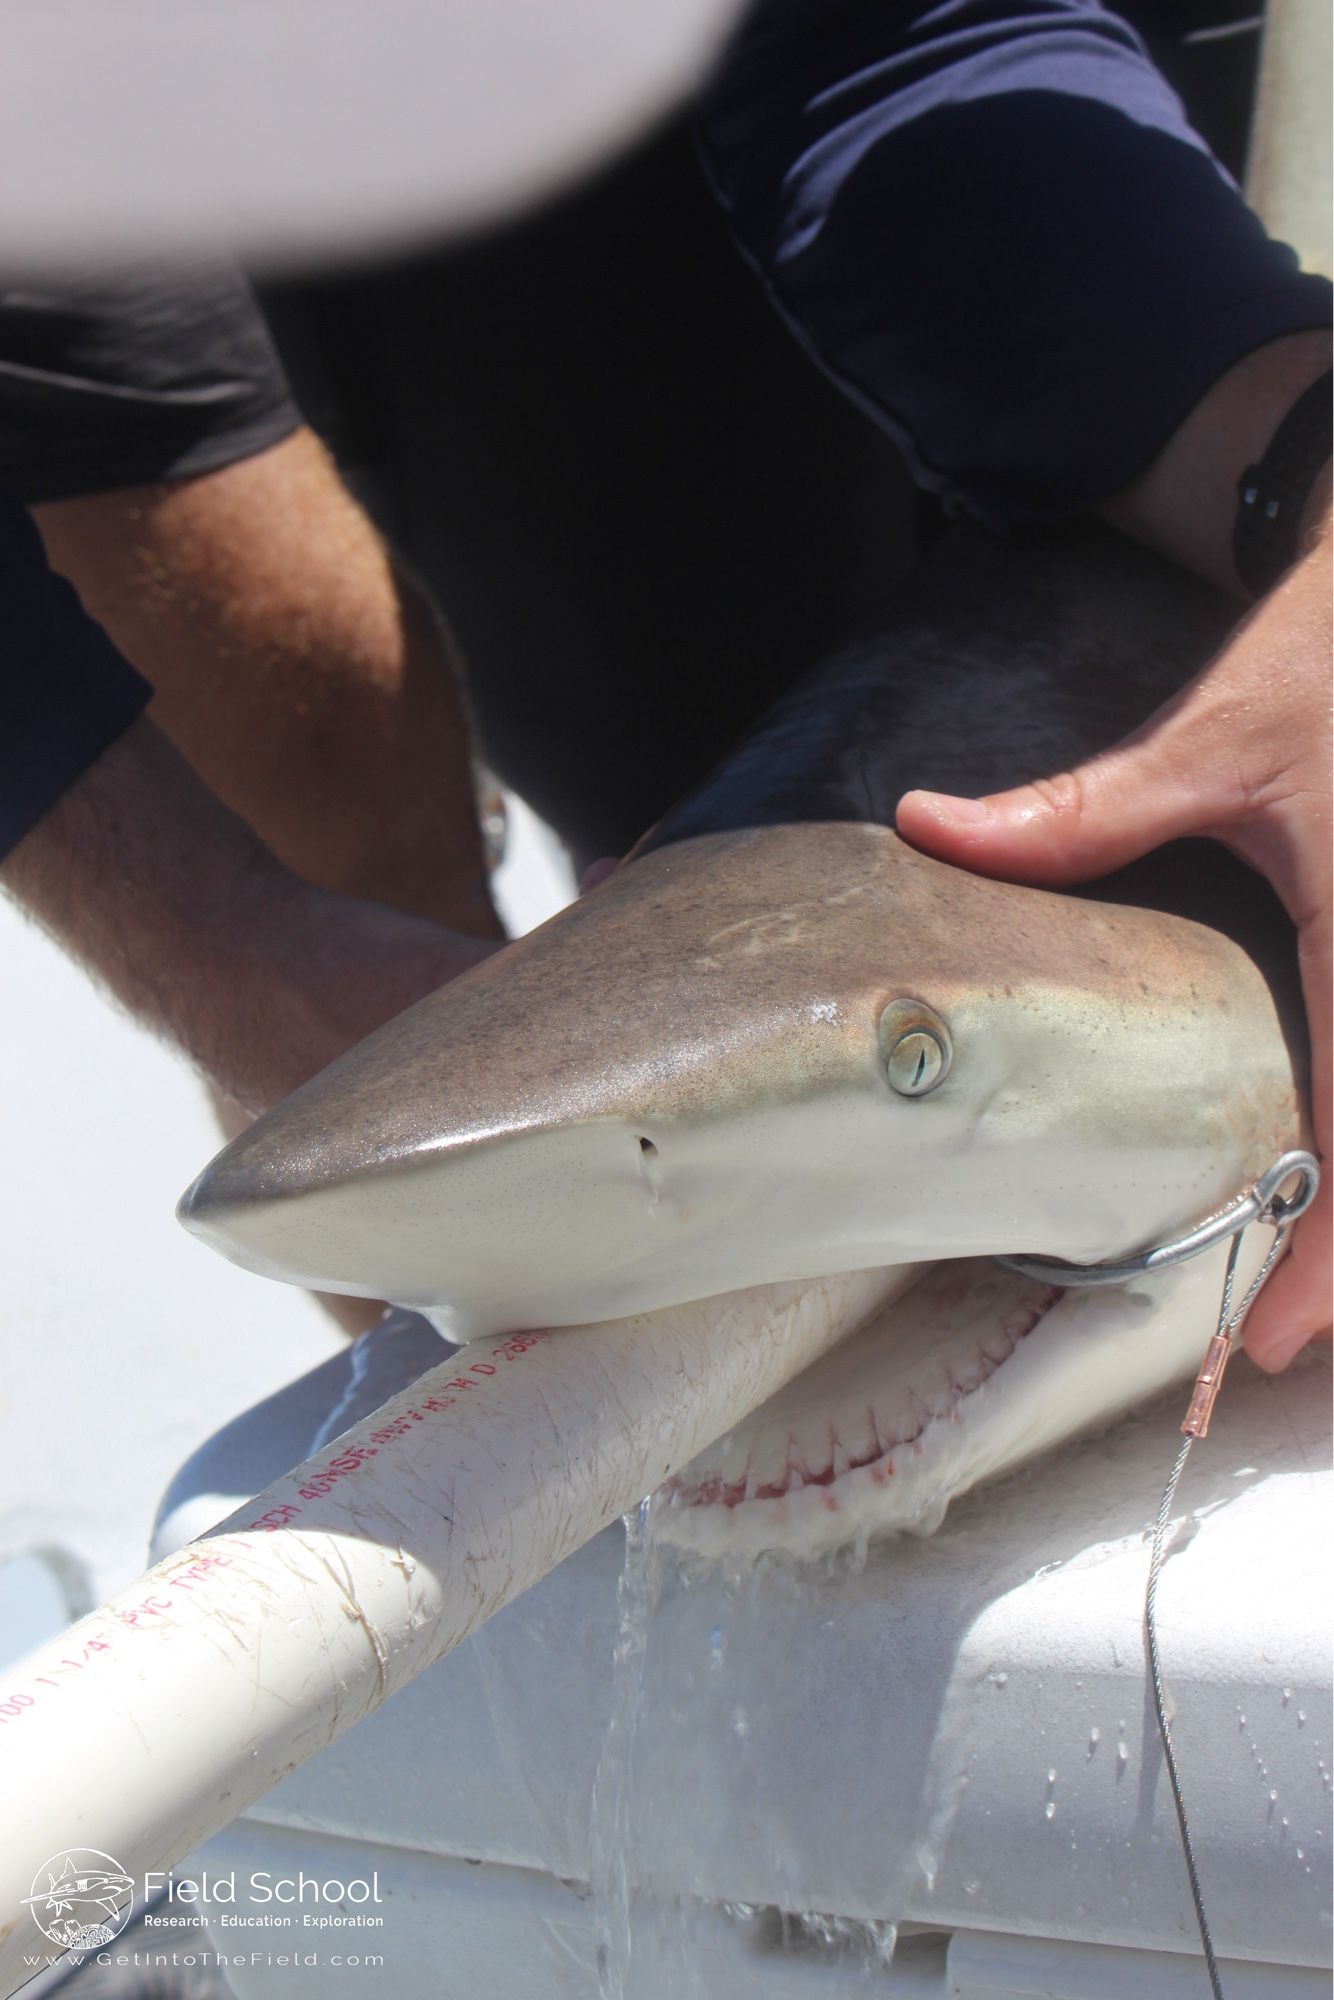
column 696, row 1099
column 678, row 1087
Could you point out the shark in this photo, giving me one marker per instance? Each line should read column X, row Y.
column 72, row 1883
column 779, row 1044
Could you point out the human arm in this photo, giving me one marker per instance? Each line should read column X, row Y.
column 993, row 225
column 996, row 229
column 178, row 909
column 296, row 663
column 146, row 417
column 1241, row 754
column 298, row 666
column 114, row 843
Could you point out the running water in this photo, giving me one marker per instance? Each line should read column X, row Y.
column 611, row 1846
column 683, row 1909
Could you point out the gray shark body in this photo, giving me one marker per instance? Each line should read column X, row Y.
column 679, row 1086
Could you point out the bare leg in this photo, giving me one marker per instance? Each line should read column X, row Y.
column 301, row 670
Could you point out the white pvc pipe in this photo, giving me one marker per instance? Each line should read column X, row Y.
column 152, row 1723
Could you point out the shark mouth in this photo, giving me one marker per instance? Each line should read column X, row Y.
column 966, row 1375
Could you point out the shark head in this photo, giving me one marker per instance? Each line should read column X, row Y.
column 760, row 1055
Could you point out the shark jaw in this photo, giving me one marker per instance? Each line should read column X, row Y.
column 677, row 1088
column 970, row 1373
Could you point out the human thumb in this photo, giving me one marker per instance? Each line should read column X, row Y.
column 1081, row 823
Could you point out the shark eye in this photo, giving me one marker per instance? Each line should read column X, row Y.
column 915, row 1047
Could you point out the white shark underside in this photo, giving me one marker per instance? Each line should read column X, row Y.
column 684, row 1085
column 973, row 1372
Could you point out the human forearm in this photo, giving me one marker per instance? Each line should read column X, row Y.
column 1079, row 276
column 300, row 670
column 1185, row 501
column 179, row 909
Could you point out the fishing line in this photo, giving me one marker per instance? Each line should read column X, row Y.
column 1196, row 1425
column 1262, row 1202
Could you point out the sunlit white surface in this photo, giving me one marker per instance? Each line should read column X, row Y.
column 535, row 878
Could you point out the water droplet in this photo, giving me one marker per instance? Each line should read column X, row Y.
column 1122, row 1758
column 998, row 1677
column 1049, row 1810
column 1273, row 1798
column 717, row 1646
column 740, row 1722
column 1287, row 1696
column 1051, row 1775
column 1299, row 1853
column 1301, row 1718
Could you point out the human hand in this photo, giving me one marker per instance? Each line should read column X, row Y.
column 1241, row 754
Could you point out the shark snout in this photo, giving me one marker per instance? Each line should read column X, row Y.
column 565, row 1224
column 625, row 1110
column 495, row 1229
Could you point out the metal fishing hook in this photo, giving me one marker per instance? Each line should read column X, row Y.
column 1261, row 1202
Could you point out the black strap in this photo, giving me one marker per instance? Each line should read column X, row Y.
column 1274, row 492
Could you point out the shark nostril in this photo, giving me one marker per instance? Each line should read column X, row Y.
column 650, row 1177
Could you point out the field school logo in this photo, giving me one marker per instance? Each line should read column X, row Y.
column 81, row 1899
